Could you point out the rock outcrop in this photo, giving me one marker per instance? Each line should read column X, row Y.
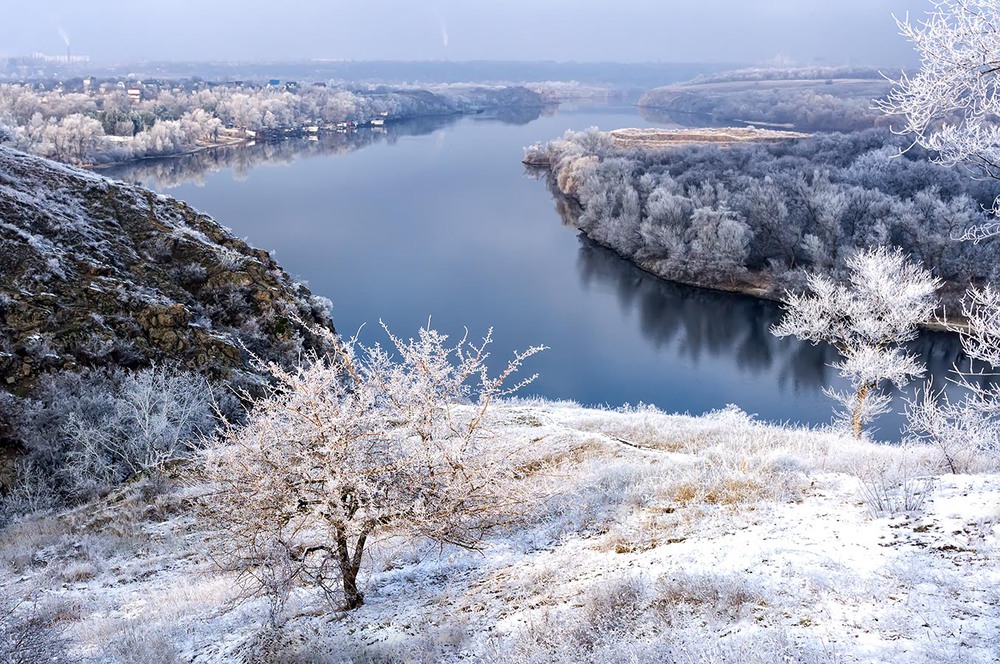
column 95, row 272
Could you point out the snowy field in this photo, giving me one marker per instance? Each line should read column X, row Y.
column 659, row 538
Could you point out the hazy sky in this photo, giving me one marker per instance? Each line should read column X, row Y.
column 836, row 31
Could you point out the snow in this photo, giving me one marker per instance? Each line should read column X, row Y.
column 664, row 538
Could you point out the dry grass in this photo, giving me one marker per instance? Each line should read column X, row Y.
column 658, row 138
column 30, row 542
column 604, row 570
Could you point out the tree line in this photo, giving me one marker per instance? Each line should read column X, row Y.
column 84, row 128
column 809, row 109
column 765, row 215
column 815, row 72
column 807, row 98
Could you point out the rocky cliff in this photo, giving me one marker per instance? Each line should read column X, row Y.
column 95, row 272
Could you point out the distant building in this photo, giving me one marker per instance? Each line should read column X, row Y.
column 134, row 93
column 60, row 59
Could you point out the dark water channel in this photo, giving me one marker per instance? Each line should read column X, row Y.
column 437, row 218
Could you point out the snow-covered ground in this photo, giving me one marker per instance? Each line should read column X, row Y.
column 663, row 538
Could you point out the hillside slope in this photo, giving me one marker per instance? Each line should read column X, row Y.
column 664, row 538
column 101, row 273
column 802, row 104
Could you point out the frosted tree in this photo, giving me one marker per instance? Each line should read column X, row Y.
column 951, row 106
column 349, row 447
column 75, row 137
column 966, row 429
column 240, row 110
column 719, row 242
column 199, row 124
column 165, row 137
column 867, row 320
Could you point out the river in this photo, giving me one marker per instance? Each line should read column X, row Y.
column 437, row 220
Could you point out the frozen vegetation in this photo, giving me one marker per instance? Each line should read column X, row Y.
column 761, row 216
column 653, row 537
column 102, row 124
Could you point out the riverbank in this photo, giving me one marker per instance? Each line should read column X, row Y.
column 169, row 155
column 836, row 103
column 758, row 285
column 74, row 131
column 272, row 136
column 664, row 538
column 756, row 211
column 653, row 139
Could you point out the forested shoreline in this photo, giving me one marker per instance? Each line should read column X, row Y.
column 112, row 124
column 808, row 99
column 759, row 218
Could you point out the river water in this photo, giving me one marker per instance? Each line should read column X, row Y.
column 437, row 220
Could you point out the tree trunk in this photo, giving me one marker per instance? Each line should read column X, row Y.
column 353, row 598
column 859, row 404
column 350, row 565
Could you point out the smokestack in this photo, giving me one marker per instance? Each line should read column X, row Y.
column 65, row 38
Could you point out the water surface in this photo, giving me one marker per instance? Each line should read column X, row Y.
column 438, row 220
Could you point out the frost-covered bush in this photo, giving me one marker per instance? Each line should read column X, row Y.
column 610, row 610
column 135, row 641
column 85, row 433
column 893, row 484
column 347, row 447
column 718, row 598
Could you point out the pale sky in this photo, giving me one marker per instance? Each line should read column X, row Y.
column 752, row 31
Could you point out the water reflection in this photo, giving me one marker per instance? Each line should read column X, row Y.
column 697, row 323
column 517, row 115
column 194, row 168
column 682, row 119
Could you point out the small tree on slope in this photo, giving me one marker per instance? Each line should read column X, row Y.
column 348, row 447
column 867, row 320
